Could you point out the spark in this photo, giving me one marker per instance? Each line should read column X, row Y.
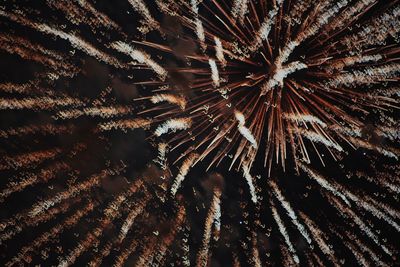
column 174, row 125
column 214, row 72
column 140, row 57
column 202, row 257
column 173, row 99
column 283, row 231
column 244, row 130
column 324, row 183
column 219, row 51
column 290, row 211
column 183, row 171
column 249, row 180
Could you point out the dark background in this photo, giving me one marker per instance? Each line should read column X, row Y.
column 137, row 151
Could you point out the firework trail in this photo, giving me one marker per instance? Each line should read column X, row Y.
column 212, row 218
column 115, row 118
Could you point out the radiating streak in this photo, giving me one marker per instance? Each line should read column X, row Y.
column 74, row 40
column 124, row 125
column 120, row 260
column 374, row 211
column 146, row 256
column 162, row 156
column 377, row 260
column 19, row 223
column 366, row 76
column 280, row 74
column 130, row 219
column 324, row 183
column 137, row 207
column 172, row 99
column 35, row 52
column 217, row 222
column 376, row 31
column 219, row 51
column 319, row 237
column 167, row 240
column 350, row 61
column 43, row 129
column 304, row 118
column 51, row 234
column 25, row 88
column 286, row 52
column 214, row 72
column 255, row 259
column 323, row 19
column 244, row 131
column 349, row 214
column 140, row 57
column 202, row 256
column 249, row 180
column 357, row 254
column 392, row 133
column 141, row 8
column 282, row 230
column 74, row 190
column 27, row 160
column 297, row 10
column 183, row 171
column 382, row 206
column 185, row 247
column 318, row 138
column 200, row 33
column 287, row 259
column 365, row 144
column 102, row 18
column 29, row 179
column 348, row 195
column 199, row 29
column 263, row 33
column 350, row 13
column 353, row 131
column 103, row 112
column 173, row 125
column 309, row 31
column 239, row 10
column 290, row 211
column 110, row 213
column 39, row 103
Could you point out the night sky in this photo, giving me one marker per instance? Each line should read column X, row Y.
column 82, row 150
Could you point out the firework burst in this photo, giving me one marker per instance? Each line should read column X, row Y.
column 275, row 122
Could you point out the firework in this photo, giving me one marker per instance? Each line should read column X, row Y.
column 163, row 132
